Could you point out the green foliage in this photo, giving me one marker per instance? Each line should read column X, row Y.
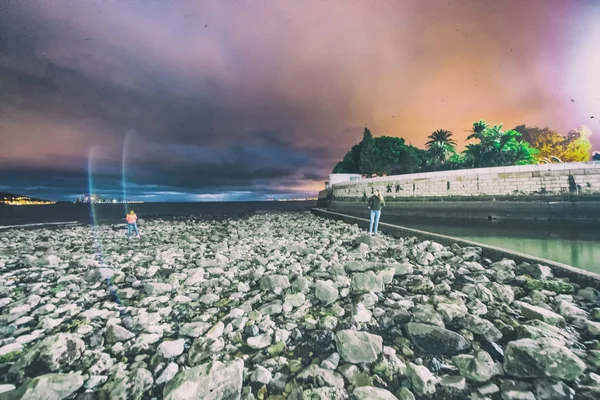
column 497, row 148
column 10, row 357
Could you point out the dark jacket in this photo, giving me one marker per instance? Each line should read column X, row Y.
column 375, row 203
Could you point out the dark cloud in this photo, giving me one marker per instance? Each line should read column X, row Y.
column 269, row 95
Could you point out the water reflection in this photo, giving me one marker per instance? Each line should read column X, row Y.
column 576, row 246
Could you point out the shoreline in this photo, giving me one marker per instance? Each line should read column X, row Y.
column 307, row 306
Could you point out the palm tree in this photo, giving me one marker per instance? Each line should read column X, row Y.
column 439, row 153
column 478, row 129
column 441, row 136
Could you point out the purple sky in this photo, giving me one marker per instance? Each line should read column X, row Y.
column 209, row 100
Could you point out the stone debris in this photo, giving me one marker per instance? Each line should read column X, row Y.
column 284, row 306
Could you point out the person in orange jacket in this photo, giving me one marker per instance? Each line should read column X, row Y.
column 132, row 223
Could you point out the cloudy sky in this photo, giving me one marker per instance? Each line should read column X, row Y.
column 233, row 99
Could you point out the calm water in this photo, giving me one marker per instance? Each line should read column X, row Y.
column 579, row 247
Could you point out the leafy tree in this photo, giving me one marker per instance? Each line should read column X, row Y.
column 596, row 156
column 574, row 147
column 368, row 154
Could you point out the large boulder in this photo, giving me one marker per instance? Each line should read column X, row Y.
column 540, row 313
column 366, row 282
column 372, row 393
column 527, row 358
column 272, row 282
column 478, row 368
column 436, row 340
column 47, row 387
column 52, row 354
column 326, row 292
column 210, row 381
column 358, row 347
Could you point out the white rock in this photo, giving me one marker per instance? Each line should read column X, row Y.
column 171, row 349
column 168, row 373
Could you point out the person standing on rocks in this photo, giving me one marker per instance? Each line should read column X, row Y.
column 132, row 223
column 376, row 203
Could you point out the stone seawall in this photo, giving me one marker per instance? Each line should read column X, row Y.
column 574, row 179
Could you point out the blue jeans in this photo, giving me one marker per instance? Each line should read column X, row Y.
column 375, row 214
column 133, row 227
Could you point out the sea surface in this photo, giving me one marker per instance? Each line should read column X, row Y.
column 70, row 213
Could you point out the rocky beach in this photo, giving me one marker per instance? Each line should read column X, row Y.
column 284, row 306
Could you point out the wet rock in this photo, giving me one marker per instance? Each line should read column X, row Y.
column 435, row 340
column 527, row 358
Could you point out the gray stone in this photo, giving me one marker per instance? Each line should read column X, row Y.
column 168, row 373
column 480, row 326
column 536, row 271
column 358, row 347
column 329, row 393
column 209, row 381
column 260, row 341
column 49, row 387
column 321, row 377
column 435, row 340
column 261, row 375
column 372, row 393
column 477, row 368
column 527, row 358
column 421, row 379
column 426, row 314
column 326, row 292
column 535, row 312
column 301, row 285
column 570, row 311
column 156, row 288
column 171, row 349
column 366, row 282
column 453, row 382
column 194, row 329
column 116, row 333
column 546, row 389
column 405, row 394
column 52, row 354
column 271, row 282
column 295, row 299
